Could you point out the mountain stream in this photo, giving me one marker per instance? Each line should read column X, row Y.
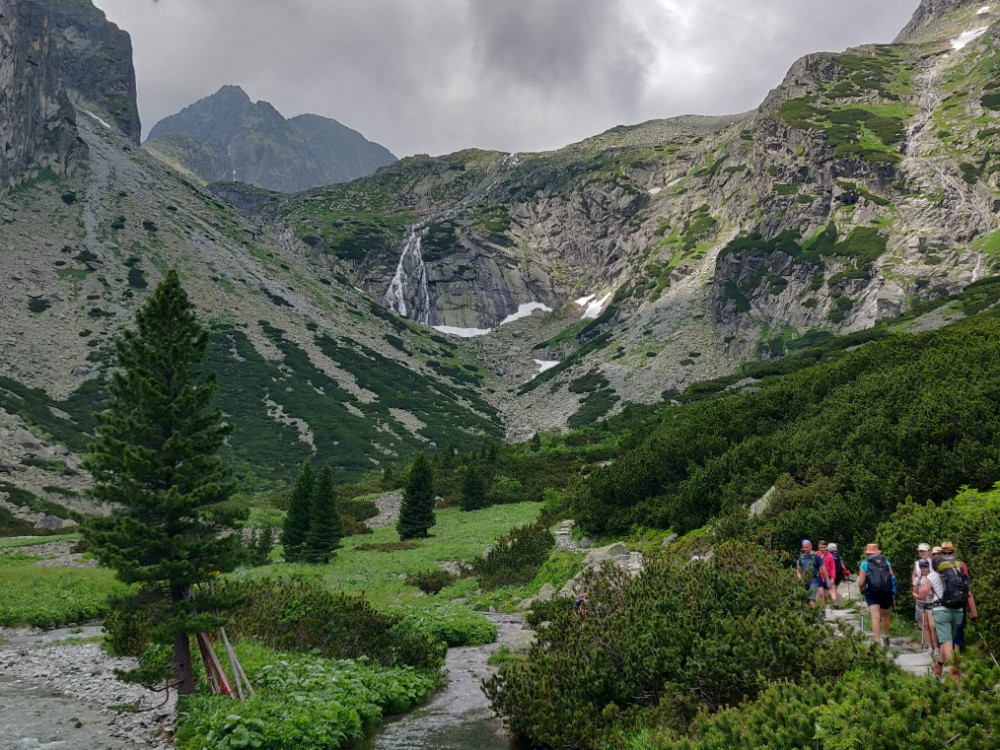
column 459, row 717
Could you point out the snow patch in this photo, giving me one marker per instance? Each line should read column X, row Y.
column 962, row 40
column 584, row 301
column 524, row 311
column 655, row 191
column 675, row 182
column 88, row 112
column 593, row 308
column 983, row 11
column 465, row 333
column 545, row 364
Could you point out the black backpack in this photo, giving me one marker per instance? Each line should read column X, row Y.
column 956, row 583
column 878, row 578
column 839, row 563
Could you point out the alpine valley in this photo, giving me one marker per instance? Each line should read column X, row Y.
column 476, row 296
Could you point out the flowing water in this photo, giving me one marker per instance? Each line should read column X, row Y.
column 459, row 717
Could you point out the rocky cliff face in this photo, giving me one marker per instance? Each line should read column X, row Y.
column 930, row 13
column 226, row 137
column 37, row 121
column 95, row 60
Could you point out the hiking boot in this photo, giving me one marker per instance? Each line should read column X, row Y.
column 936, row 668
column 885, row 641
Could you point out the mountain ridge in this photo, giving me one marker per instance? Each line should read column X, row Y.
column 228, row 137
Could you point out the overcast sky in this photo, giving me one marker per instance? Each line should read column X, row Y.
column 436, row 76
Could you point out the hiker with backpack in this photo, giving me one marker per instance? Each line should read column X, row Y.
column 840, row 573
column 969, row 610
column 876, row 581
column 947, row 586
column 807, row 568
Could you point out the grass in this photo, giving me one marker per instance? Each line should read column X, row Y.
column 29, row 541
column 50, row 597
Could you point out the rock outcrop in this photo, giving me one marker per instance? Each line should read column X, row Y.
column 95, row 61
column 37, row 121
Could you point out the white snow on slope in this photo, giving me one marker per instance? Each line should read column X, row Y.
column 545, row 364
column 88, row 112
column 655, row 190
column 593, row 308
column 465, row 333
column 963, row 39
column 524, row 311
column 983, row 11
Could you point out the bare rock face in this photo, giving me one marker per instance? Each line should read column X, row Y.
column 95, row 61
column 929, row 11
column 37, row 121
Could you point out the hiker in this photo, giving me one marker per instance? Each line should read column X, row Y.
column 923, row 595
column 580, row 604
column 840, row 571
column 969, row 603
column 807, row 569
column 876, row 581
column 827, row 573
column 950, row 587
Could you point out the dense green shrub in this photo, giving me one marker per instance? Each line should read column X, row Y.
column 297, row 615
column 683, row 638
column 553, row 609
column 902, row 416
column 872, row 707
column 516, row 557
column 431, row 581
column 448, row 623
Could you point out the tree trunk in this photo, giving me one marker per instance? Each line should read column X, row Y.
column 183, row 671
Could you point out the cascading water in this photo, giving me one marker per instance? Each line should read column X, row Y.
column 410, row 282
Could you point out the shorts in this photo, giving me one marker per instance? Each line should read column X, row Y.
column 925, row 606
column 882, row 599
column 947, row 622
column 813, row 588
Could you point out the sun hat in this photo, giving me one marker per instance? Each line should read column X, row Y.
column 872, row 549
column 923, row 547
column 947, row 547
column 935, row 551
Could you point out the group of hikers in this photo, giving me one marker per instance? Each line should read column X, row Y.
column 940, row 587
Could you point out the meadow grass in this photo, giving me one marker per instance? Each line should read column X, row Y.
column 49, row 597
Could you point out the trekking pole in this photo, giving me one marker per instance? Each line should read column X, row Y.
column 986, row 645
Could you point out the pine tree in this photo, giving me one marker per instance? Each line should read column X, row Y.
column 296, row 527
column 155, row 460
column 473, row 494
column 416, row 514
column 325, row 528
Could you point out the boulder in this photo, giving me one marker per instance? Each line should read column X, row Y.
column 520, row 642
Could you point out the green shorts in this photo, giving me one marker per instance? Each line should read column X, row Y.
column 946, row 622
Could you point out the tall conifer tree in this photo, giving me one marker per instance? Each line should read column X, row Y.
column 416, row 514
column 325, row 528
column 155, row 460
column 473, row 489
column 296, row 527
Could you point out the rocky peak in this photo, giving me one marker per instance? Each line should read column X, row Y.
column 930, row 13
column 227, row 136
column 95, row 61
column 36, row 117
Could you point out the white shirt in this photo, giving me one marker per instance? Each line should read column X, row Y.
column 937, row 586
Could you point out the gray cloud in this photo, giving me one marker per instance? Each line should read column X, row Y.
column 435, row 76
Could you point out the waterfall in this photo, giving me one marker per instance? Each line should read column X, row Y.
column 410, row 270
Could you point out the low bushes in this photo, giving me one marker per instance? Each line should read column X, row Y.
column 303, row 702
column 431, row 581
column 298, row 615
column 682, row 639
column 516, row 557
column 451, row 624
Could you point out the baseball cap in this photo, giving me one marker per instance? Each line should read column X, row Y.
column 923, row 547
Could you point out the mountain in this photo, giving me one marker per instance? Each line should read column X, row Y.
column 227, row 137
column 863, row 191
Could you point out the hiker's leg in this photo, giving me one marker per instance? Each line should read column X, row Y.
column 886, row 614
column 876, row 613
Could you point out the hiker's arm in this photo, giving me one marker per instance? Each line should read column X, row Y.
column 922, row 589
column 861, row 580
column 972, row 607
